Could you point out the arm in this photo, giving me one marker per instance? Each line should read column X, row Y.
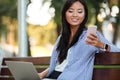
column 47, row 71
column 43, row 73
column 99, row 41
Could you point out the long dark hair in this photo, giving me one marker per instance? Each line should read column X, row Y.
column 63, row 46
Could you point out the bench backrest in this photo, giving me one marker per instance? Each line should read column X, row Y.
column 40, row 63
column 107, row 66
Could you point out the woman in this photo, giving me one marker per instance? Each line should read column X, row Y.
column 73, row 54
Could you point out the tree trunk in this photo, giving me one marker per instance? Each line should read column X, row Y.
column 116, row 25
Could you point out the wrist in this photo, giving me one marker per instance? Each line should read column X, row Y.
column 104, row 47
column 40, row 75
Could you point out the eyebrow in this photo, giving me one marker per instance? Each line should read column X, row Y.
column 78, row 8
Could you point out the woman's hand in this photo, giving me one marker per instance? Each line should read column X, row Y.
column 92, row 39
column 44, row 73
column 40, row 75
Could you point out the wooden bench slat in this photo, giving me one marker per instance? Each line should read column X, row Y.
column 106, row 74
column 111, row 58
column 34, row 60
column 5, row 71
column 6, row 78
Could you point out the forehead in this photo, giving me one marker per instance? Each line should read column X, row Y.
column 77, row 5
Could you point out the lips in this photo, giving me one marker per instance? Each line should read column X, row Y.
column 75, row 20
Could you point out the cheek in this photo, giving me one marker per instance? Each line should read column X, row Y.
column 81, row 18
column 68, row 18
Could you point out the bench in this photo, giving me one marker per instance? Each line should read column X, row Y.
column 40, row 63
column 107, row 66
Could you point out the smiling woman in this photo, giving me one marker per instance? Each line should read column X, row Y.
column 38, row 13
column 73, row 55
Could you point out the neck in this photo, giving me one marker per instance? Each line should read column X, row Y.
column 73, row 32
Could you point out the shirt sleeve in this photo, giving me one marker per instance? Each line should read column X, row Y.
column 113, row 48
column 53, row 57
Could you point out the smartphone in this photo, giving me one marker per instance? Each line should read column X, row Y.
column 91, row 29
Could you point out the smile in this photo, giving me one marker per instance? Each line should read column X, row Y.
column 74, row 20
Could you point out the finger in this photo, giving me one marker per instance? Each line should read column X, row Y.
column 91, row 42
column 88, row 41
column 94, row 35
column 91, row 37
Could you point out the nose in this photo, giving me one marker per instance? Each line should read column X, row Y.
column 75, row 14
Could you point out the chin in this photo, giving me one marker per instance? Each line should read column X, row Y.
column 75, row 24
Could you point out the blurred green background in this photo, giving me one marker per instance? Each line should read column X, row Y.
column 43, row 18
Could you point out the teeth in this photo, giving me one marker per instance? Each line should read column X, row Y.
column 74, row 19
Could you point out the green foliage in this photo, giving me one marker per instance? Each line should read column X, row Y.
column 113, row 2
column 93, row 10
column 93, row 7
column 57, row 4
column 8, row 8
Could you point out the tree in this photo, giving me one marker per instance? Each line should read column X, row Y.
column 94, row 10
column 58, row 4
column 8, row 8
column 117, row 24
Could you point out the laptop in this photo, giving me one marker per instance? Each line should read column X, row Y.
column 23, row 70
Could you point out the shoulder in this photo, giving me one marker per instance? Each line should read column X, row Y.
column 99, row 34
column 58, row 38
column 83, row 35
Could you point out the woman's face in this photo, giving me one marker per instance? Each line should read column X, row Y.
column 75, row 14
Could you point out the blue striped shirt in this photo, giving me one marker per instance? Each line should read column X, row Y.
column 80, row 59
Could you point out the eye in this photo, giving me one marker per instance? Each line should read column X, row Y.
column 80, row 11
column 70, row 11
